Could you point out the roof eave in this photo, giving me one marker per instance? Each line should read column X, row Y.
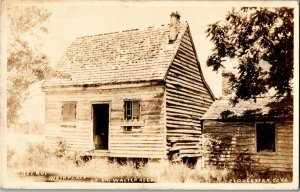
column 99, row 85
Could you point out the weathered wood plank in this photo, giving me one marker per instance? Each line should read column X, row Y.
column 191, row 73
column 185, row 87
column 245, row 138
column 185, row 99
column 172, row 90
column 152, row 111
column 182, row 111
column 186, row 106
column 187, row 72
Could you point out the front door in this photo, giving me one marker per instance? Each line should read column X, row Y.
column 101, row 125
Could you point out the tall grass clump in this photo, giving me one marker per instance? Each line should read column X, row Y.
column 62, row 161
column 166, row 171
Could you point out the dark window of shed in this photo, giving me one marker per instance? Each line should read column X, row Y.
column 265, row 137
column 69, row 111
column 131, row 109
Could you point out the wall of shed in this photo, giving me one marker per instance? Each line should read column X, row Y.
column 149, row 143
column 235, row 137
column 187, row 100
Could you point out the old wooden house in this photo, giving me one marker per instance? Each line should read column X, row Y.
column 248, row 128
column 138, row 93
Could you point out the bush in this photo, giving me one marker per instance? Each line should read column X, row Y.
column 11, row 155
column 215, row 147
column 36, row 156
column 64, row 162
column 61, row 149
column 243, row 165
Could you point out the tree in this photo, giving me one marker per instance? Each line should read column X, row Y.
column 255, row 36
column 25, row 63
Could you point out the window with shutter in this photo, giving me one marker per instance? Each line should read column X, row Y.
column 69, row 111
column 131, row 109
column 135, row 109
column 132, row 116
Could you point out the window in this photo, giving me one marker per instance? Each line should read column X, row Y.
column 131, row 109
column 265, row 137
column 127, row 128
column 69, row 111
column 132, row 129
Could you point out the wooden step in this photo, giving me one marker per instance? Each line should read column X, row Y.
column 98, row 153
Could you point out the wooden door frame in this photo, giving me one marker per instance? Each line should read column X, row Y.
column 92, row 123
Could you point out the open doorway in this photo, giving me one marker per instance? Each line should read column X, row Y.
column 100, row 125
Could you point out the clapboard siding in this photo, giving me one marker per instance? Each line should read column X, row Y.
column 187, row 99
column 239, row 136
column 172, row 92
column 149, row 143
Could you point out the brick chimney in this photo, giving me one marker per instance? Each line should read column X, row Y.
column 226, row 87
column 174, row 26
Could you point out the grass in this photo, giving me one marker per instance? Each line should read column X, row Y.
column 60, row 161
column 65, row 163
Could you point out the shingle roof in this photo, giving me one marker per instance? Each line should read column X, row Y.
column 127, row 56
column 223, row 104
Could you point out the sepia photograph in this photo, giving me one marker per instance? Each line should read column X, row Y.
column 149, row 95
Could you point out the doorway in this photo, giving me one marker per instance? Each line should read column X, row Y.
column 100, row 126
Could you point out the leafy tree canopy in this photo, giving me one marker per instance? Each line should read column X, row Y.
column 26, row 64
column 254, row 36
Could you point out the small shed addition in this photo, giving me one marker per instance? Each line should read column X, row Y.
column 248, row 127
column 135, row 93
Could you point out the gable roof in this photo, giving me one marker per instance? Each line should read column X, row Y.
column 223, row 104
column 127, row 56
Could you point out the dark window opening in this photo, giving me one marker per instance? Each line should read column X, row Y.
column 69, row 111
column 265, row 137
column 132, row 128
column 127, row 128
column 128, row 110
column 131, row 109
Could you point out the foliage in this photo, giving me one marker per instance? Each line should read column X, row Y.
column 227, row 114
column 282, row 109
column 39, row 157
column 252, row 114
column 215, row 146
column 256, row 37
column 212, row 147
column 61, row 149
column 243, row 165
column 11, row 153
column 25, row 63
column 36, row 155
column 247, row 115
